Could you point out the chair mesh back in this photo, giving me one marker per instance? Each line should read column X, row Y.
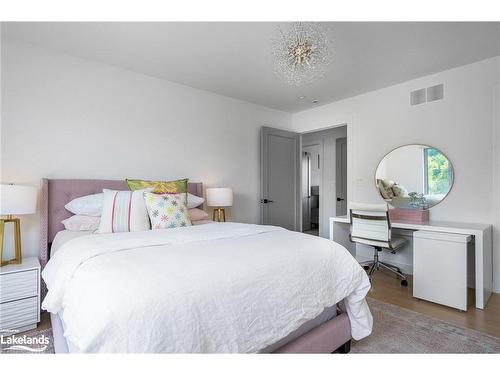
column 372, row 225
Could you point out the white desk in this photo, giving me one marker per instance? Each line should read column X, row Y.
column 339, row 232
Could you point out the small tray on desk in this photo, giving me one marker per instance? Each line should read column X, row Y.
column 416, row 216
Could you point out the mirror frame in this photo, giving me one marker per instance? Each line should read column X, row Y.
column 414, row 144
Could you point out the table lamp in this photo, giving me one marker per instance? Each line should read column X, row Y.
column 219, row 198
column 15, row 200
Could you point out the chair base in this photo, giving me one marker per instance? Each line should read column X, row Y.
column 376, row 264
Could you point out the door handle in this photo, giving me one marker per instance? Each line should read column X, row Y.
column 265, row 200
column 340, row 199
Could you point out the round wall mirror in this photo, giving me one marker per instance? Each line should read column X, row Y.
column 414, row 177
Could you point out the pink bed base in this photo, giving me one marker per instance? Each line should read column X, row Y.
column 328, row 337
column 333, row 335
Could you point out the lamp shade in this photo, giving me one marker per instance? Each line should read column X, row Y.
column 219, row 197
column 17, row 200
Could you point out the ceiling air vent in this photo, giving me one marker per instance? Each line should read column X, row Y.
column 429, row 94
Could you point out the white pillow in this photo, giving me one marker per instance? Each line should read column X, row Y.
column 194, row 201
column 89, row 205
column 79, row 223
column 124, row 211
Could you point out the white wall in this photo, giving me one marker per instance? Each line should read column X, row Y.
column 462, row 126
column 327, row 193
column 65, row 117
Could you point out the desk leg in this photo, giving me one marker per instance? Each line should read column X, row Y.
column 484, row 267
column 339, row 232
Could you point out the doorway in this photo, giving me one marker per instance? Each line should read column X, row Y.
column 303, row 178
column 311, row 176
column 323, row 178
column 341, row 176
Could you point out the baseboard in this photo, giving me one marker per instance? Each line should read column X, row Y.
column 406, row 268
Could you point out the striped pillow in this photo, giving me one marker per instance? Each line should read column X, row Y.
column 123, row 211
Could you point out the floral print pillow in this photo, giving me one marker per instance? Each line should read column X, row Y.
column 167, row 210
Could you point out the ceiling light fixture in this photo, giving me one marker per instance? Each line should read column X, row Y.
column 315, row 101
column 301, row 52
column 301, row 97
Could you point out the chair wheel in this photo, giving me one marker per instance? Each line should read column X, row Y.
column 404, row 283
column 366, row 267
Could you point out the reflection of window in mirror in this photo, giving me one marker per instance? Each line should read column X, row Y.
column 437, row 172
column 414, row 176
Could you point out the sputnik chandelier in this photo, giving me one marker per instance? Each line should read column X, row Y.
column 301, row 52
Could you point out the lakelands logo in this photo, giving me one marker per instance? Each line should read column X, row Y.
column 10, row 341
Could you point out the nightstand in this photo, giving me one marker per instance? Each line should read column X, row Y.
column 20, row 295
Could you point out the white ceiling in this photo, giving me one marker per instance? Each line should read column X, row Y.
column 234, row 59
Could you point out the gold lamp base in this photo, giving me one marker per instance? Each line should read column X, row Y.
column 17, row 240
column 219, row 215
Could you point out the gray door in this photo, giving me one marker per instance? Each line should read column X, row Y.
column 341, row 176
column 280, row 178
column 306, row 191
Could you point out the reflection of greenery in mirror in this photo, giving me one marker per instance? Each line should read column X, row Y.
column 437, row 172
column 414, row 177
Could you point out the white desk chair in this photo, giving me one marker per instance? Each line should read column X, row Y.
column 370, row 225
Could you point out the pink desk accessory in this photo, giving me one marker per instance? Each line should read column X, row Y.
column 416, row 216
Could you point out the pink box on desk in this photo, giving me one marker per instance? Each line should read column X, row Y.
column 416, row 216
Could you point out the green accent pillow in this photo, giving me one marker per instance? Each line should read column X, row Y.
column 161, row 187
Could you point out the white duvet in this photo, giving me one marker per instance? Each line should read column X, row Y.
column 222, row 287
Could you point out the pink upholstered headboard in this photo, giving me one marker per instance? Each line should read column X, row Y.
column 56, row 193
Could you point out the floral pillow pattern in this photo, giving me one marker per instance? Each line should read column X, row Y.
column 167, row 210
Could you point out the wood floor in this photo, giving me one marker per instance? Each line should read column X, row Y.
column 44, row 322
column 386, row 288
column 312, row 232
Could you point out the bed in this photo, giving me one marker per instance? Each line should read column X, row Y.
column 219, row 287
